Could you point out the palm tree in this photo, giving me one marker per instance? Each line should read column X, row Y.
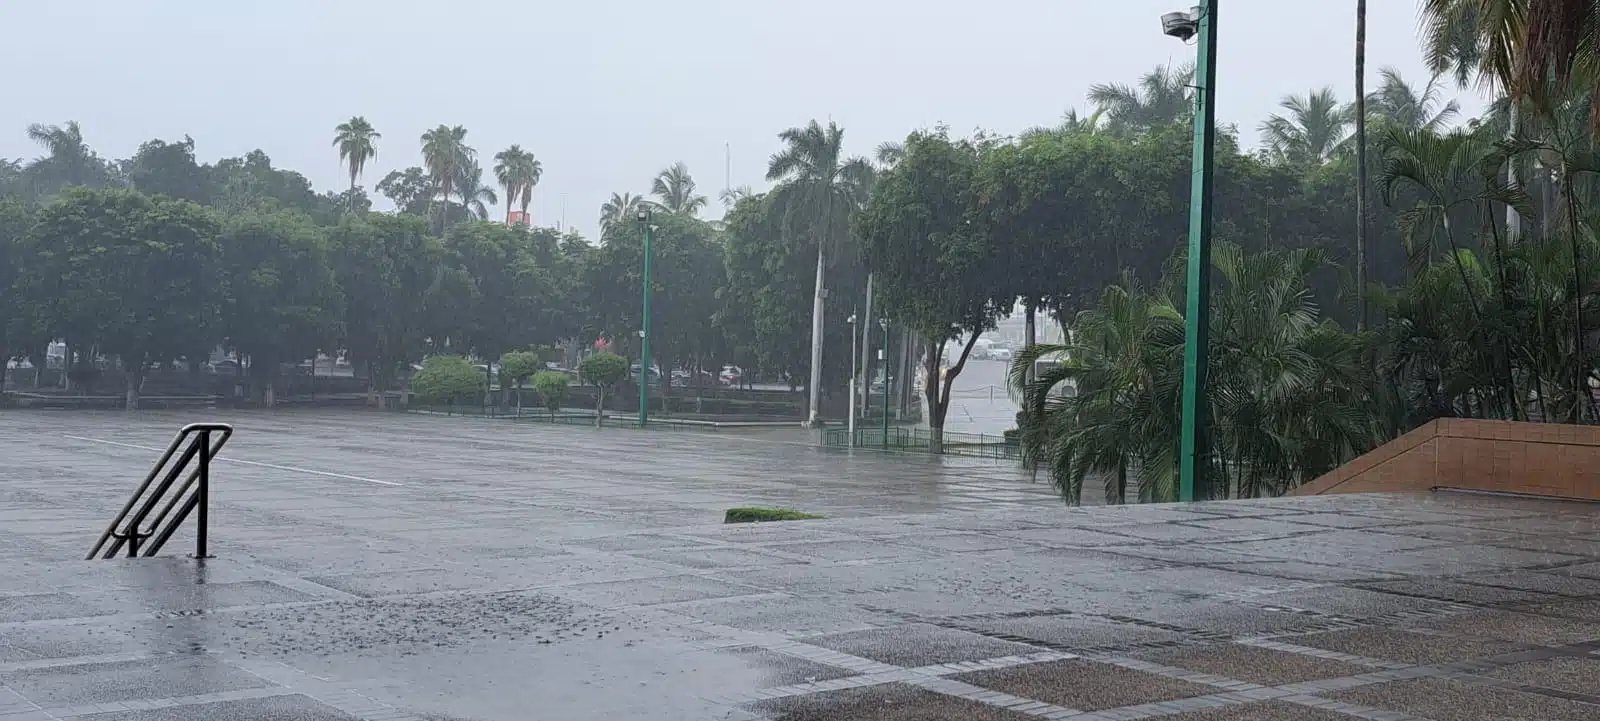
column 1316, row 129
column 621, row 208
column 675, row 187
column 1561, row 45
column 475, row 196
column 444, row 152
column 1162, row 97
column 1122, row 367
column 1397, row 102
column 731, row 196
column 1288, row 398
column 357, row 144
column 820, row 185
column 889, row 153
column 517, row 171
column 68, row 157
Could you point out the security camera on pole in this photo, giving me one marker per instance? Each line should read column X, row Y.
column 1195, row 453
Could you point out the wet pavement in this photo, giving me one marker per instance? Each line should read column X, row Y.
column 389, row 567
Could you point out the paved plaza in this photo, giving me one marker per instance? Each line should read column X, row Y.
column 394, row 567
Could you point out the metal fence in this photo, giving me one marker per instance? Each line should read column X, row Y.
column 920, row 440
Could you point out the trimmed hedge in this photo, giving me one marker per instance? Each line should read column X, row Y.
column 761, row 515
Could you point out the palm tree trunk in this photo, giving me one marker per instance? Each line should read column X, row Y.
column 1361, row 164
column 352, row 204
column 1580, row 386
column 815, row 387
column 1513, row 221
column 508, row 205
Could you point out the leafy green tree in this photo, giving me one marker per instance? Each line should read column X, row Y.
column 517, row 366
column 605, row 371
column 15, row 220
column 687, row 268
column 552, row 387
column 389, row 269
column 357, row 142
column 411, row 190
column 818, row 183
column 162, row 168
column 933, row 267
column 504, row 289
column 518, row 172
column 1315, row 130
column 135, row 276
column 283, row 304
column 251, row 183
column 674, row 188
column 448, row 379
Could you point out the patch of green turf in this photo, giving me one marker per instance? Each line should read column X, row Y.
column 758, row 515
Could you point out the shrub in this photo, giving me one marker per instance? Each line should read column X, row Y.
column 760, row 515
column 446, row 379
column 604, row 370
column 552, row 387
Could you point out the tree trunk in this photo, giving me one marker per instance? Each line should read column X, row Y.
column 600, row 408
column 1361, row 164
column 867, row 321
column 66, row 366
column 135, row 381
column 1031, row 335
column 1513, row 221
column 937, row 390
column 269, row 394
column 352, row 207
column 815, row 388
column 488, row 386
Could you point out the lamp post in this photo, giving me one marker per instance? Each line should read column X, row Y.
column 644, row 330
column 1195, row 451
column 852, row 322
column 883, row 357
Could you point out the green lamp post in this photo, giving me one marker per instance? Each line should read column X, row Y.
column 644, row 330
column 1195, row 451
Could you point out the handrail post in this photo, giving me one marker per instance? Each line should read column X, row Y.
column 204, row 493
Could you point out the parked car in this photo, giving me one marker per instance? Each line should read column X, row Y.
column 730, row 375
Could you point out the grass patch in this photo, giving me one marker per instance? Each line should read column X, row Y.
column 759, row 515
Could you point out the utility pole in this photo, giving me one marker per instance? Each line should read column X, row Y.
column 1194, row 463
column 644, row 331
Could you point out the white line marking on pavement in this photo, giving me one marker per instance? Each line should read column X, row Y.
column 273, row 466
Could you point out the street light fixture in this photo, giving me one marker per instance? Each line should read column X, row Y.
column 1195, row 451
column 644, row 330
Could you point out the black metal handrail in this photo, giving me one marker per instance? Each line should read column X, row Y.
column 193, row 493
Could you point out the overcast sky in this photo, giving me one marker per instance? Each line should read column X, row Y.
column 608, row 93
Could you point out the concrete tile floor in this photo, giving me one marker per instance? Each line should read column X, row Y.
column 389, row 567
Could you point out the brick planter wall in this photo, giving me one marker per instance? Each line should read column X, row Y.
column 1546, row 459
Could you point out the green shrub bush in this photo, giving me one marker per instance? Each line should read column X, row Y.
column 760, row 515
column 447, row 379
